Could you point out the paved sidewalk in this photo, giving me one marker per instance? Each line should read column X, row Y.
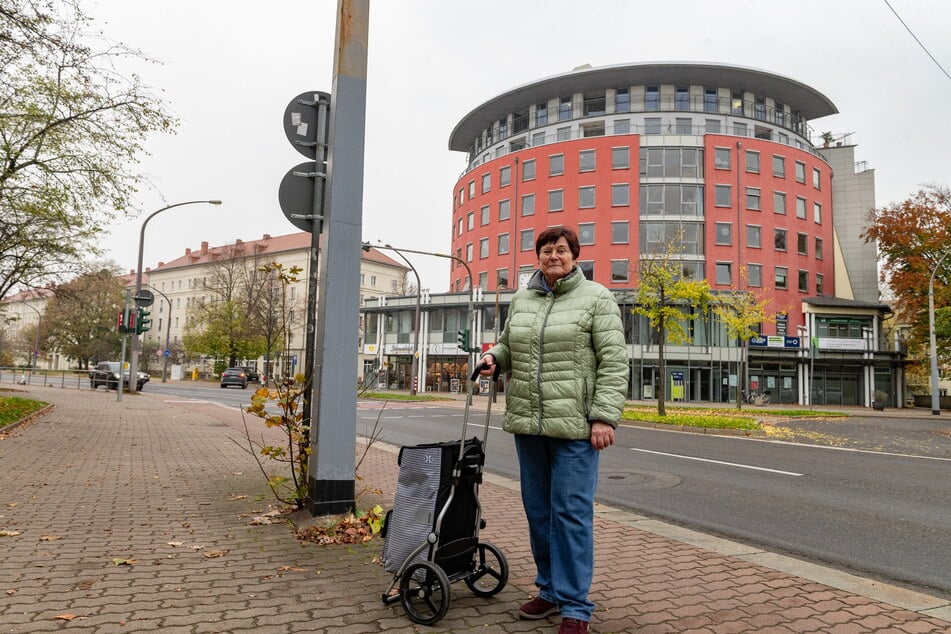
column 136, row 516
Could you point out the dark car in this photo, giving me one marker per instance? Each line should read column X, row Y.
column 107, row 373
column 253, row 376
column 234, row 376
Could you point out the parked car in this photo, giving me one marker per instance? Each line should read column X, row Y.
column 234, row 376
column 107, row 373
column 253, row 376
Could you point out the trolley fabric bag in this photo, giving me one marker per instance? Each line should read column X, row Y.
column 423, row 488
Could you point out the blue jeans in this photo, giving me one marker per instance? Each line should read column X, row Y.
column 558, row 480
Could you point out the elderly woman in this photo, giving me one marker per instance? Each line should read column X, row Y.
column 563, row 342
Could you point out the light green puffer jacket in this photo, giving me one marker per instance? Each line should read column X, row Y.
column 565, row 350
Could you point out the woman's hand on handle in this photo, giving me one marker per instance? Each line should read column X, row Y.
column 487, row 365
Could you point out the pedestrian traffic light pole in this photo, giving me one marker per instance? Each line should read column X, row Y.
column 134, row 355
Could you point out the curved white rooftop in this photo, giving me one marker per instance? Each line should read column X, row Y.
column 810, row 103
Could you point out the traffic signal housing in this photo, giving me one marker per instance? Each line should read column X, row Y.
column 464, row 339
column 142, row 321
column 126, row 321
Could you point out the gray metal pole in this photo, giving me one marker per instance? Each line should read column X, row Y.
column 168, row 332
column 331, row 469
column 419, row 292
column 935, row 399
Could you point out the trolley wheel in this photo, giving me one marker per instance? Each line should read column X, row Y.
column 424, row 592
column 491, row 573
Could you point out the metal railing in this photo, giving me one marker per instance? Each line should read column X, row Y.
column 77, row 379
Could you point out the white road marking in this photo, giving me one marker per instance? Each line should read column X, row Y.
column 729, row 464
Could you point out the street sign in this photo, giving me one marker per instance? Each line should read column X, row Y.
column 168, row 353
column 300, row 121
column 144, row 298
column 296, row 196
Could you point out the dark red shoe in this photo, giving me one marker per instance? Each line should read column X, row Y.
column 573, row 626
column 537, row 608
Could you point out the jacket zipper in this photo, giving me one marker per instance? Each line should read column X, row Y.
column 541, row 354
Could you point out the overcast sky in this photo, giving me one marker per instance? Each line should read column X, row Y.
column 231, row 66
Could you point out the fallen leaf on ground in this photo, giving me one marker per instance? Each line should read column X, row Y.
column 125, row 562
column 290, row 569
column 235, row 498
column 12, row 591
column 65, row 617
column 9, row 533
column 50, row 538
column 174, row 543
column 212, row 554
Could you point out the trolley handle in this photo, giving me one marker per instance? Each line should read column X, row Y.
column 485, row 366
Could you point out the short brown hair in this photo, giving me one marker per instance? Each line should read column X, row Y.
column 553, row 234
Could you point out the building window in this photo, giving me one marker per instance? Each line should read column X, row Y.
column 802, row 244
column 620, row 195
column 779, row 203
column 503, row 128
column 460, row 227
column 820, row 285
column 503, row 243
column 652, row 125
column 541, row 113
column 800, row 207
column 484, row 280
column 682, row 98
column 724, row 233
column 780, row 279
column 563, row 134
column 586, row 161
column 739, row 129
column 502, row 278
column 470, row 220
column 483, row 248
column 721, row 158
column 620, row 232
column 736, row 103
column 528, row 205
column 528, row 170
column 671, row 162
column 620, row 158
column 754, row 236
column 484, row 216
column 619, row 271
column 622, row 100
column 724, row 273
column 564, row 109
column 486, row 183
column 803, row 281
column 754, row 275
column 556, row 164
column 595, row 128
column 800, row 172
column 817, row 213
column 652, row 98
column 779, row 239
column 469, row 252
column 672, row 200
column 752, row 198
column 683, row 125
column 818, row 248
column 527, row 240
column 622, row 126
column 586, row 197
column 587, row 268
column 556, row 200
column 816, row 178
column 586, row 233
column 471, row 190
column 722, row 196
column 710, row 100
column 504, row 209
column 505, row 176
column 711, row 126
column 779, row 166
column 538, row 138
column 752, row 162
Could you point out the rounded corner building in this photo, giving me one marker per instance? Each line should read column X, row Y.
column 712, row 165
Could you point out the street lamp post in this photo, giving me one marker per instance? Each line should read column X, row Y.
column 134, row 362
column 168, row 332
column 366, row 247
column 935, row 399
column 419, row 293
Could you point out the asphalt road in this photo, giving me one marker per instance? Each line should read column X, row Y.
column 868, row 495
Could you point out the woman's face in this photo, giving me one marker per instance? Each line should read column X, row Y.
column 555, row 260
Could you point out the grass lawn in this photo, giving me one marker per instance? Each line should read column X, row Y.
column 14, row 408
column 718, row 418
column 388, row 396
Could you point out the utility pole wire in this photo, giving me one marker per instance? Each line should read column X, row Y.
column 937, row 63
